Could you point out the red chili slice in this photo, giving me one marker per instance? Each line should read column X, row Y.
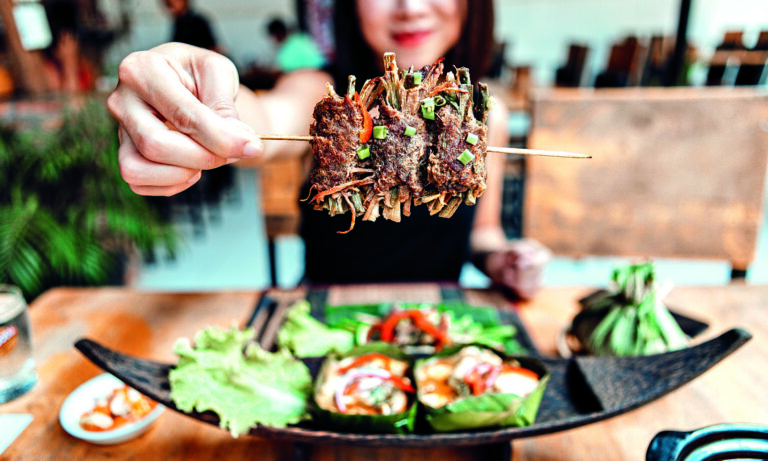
column 365, row 358
column 419, row 320
column 402, row 384
column 365, row 132
column 521, row 371
column 371, row 331
column 475, row 378
column 389, row 324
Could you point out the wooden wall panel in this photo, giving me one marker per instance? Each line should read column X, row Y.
column 676, row 172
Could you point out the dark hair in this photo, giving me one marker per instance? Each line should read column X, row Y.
column 355, row 57
column 277, row 28
column 62, row 17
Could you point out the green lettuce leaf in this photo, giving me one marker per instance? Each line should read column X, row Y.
column 306, row 336
column 244, row 389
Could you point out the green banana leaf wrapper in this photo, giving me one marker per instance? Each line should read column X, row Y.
column 399, row 423
column 487, row 410
column 610, row 325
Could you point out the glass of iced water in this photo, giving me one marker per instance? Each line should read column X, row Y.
column 17, row 367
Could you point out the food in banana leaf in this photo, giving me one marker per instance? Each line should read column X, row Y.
column 367, row 391
column 475, row 387
column 424, row 328
column 630, row 319
column 418, row 329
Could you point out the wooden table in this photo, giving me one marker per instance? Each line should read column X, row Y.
column 147, row 324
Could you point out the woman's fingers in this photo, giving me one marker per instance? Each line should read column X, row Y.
column 165, row 191
column 161, row 144
column 140, row 172
column 180, row 90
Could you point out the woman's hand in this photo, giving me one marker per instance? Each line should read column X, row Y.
column 176, row 107
column 518, row 266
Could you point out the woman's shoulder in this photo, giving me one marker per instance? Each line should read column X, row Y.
column 305, row 82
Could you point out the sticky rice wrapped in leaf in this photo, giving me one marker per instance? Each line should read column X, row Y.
column 473, row 387
column 366, row 390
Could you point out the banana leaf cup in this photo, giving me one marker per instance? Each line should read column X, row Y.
column 330, row 410
column 489, row 408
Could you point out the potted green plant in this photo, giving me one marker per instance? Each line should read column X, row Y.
column 66, row 216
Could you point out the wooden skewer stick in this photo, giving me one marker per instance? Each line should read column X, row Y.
column 499, row 150
column 536, row 152
column 277, row 137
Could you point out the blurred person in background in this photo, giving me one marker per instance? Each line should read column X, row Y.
column 66, row 68
column 295, row 50
column 217, row 121
column 189, row 26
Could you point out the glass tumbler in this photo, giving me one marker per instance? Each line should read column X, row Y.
column 17, row 367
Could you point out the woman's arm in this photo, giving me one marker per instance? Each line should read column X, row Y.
column 514, row 265
column 284, row 110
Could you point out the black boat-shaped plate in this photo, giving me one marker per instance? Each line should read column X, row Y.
column 582, row 390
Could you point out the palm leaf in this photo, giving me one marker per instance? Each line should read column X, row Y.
column 64, row 210
column 20, row 263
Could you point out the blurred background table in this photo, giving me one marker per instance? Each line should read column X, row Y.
column 147, row 324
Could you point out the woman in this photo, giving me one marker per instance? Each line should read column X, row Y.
column 216, row 122
column 66, row 68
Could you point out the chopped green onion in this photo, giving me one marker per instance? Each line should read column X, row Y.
column 472, row 138
column 428, row 108
column 363, row 152
column 466, row 157
column 416, row 78
column 439, row 101
column 379, row 132
column 409, row 131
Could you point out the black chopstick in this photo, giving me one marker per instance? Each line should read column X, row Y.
column 264, row 303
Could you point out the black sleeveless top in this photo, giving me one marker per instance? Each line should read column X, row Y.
column 419, row 248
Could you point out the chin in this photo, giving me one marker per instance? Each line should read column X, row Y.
column 417, row 58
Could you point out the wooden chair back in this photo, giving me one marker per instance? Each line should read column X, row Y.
column 676, row 172
column 280, row 184
column 571, row 74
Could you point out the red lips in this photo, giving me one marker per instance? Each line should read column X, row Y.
column 411, row 38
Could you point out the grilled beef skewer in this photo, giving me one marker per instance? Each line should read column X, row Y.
column 427, row 144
